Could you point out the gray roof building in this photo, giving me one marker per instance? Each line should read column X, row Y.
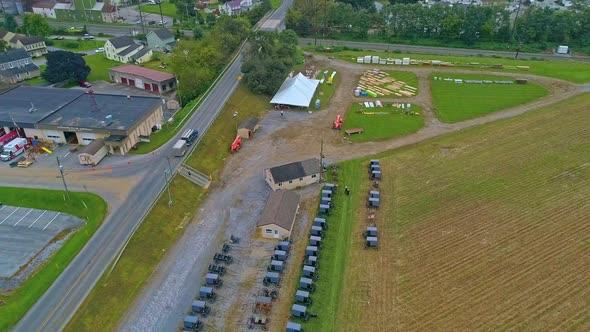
column 121, row 41
column 129, row 49
column 13, row 55
column 281, row 209
column 296, row 170
column 163, row 33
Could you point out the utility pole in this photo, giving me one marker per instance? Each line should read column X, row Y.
column 514, row 28
column 61, row 172
column 321, row 160
column 168, row 187
column 140, row 17
column 169, row 166
column 161, row 15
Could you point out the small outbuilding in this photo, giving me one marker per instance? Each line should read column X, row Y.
column 279, row 214
column 562, row 49
column 93, row 153
column 248, row 127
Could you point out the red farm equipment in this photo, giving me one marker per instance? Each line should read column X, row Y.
column 236, row 144
column 338, row 123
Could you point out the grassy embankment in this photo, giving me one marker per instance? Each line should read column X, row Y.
column 113, row 294
column 19, row 301
column 573, row 71
column 457, row 102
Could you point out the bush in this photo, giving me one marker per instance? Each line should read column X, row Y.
column 71, row 44
column 49, row 42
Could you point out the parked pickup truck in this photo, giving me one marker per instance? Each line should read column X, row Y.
column 179, row 148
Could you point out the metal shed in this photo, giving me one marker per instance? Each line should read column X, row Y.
column 327, row 193
column 315, row 240
column 317, row 230
column 325, row 208
column 293, row 327
column 320, row 222
column 207, row 293
column 309, row 271
column 374, row 194
column 371, row 241
column 298, row 310
column 201, row 307
column 330, row 186
column 326, row 201
column 371, row 231
column 191, row 322
column 376, row 174
column 276, row 266
column 307, row 284
column 272, row 278
column 283, row 245
column 93, row 153
column 311, row 251
column 375, row 168
column 373, row 202
column 374, row 162
column 247, row 128
column 312, row 261
column 213, row 279
column 280, row 255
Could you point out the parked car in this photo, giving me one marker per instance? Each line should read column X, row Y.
column 152, row 22
column 74, row 29
column 85, row 84
column 99, row 50
column 138, row 22
column 162, row 22
column 58, row 38
column 88, row 37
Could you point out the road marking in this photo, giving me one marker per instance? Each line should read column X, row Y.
column 39, row 217
column 67, row 154
column 2, row 208
column 49, row 223
column 9, row 216
column 21, row 219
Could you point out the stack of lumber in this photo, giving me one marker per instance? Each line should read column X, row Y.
column 382, row 84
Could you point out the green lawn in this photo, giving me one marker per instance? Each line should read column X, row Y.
column 574, row 71
column 457, row 102
column 38, row 80
column 210, row 153
column 275, row 3
column 168, row 9
column 325, row 91
column 78, row 45
column 335, row 251
column 155, row 64
column 381, row 126
column 99, row 66
column 405, row 76
column 18, row 301
column 112, row 295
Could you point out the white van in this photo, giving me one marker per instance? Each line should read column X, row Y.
column 13, row 148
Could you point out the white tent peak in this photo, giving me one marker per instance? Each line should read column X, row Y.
column 296, row 91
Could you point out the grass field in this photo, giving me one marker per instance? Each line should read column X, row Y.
column 78, row 45
column 168, row 9
column 457, row 102
column 574, row 71
column 18, row 301
column 381, row 126
column 472, row 235
column 99, row 66
column 107, row 302
column 38, row 80
column 275, row 3
column 325, row 91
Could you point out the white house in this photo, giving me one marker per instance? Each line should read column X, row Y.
column 124, row 49
column 45, row 9
column 235, row 7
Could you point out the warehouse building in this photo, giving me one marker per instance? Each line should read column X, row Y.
column 72, row 116
column 293, row 175
column 143, row 78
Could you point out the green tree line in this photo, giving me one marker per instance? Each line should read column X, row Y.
column 467, row 24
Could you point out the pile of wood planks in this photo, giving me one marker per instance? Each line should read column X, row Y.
column 382, row 84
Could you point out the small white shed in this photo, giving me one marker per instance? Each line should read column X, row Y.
column 93, row 153
column 561, row 49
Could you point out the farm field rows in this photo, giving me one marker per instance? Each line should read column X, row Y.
column 574, row 71
column 483, row 229
column 457, row 102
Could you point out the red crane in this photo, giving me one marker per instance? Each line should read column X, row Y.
column 338, row 123
column 236, row 144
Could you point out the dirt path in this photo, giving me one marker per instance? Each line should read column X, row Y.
column 236, row 203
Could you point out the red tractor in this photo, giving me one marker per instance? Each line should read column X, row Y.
column 338, row 123
column 236, row 144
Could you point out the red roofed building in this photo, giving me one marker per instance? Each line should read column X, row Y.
column 143, row 78
column 109, row 13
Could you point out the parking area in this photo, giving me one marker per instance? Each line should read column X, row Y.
column 24, row 232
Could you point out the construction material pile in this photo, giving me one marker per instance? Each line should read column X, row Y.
column 461, row 81
column 377, row 83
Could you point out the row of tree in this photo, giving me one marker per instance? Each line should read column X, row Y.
column 268, row 59
column 467, row 24
column 197, row 63
column 33, row 25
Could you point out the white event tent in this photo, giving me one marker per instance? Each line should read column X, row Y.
column 296, row 91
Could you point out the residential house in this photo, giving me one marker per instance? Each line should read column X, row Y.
column 126, row 50
column 279, row 214
column 14, row 7
column 235, row 7
column 16, row 66
column 44, row 8
column 80, row 10
column 143, row 78
column 109, row 13
column 293, row 175
column 161, row 39
column 34, row 45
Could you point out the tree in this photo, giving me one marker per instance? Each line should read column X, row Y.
column 35, row 25
column 3, row 45
column 198, row 33
column 10, row 23
column 65, row 66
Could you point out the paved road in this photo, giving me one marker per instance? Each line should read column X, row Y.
column 56, row 307
column 113, row 30
column 435, row 50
